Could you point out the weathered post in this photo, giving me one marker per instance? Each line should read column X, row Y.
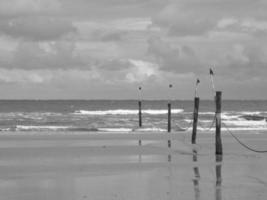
column 169, row 115
column 218, row 100
column 140, row 112
column 169, row 122
column 195, row 120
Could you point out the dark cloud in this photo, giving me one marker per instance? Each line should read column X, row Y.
column 186, row 28
column 192, row 17
column 112, row 8
column 58, row 55
column 178, row 60
column 114, row 65
column 36, row 28
column 161, row 49
column 19, row 8
column 108, row 35
column 188, row 51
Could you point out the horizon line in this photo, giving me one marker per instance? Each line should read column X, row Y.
column 136, row 99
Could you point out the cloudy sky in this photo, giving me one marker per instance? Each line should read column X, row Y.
column 94, row 49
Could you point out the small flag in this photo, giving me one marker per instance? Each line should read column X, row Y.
column 198, row 81
column 140, row 88
column 211, row 72
column 170, row 86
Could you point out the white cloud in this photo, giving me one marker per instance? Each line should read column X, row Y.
column 142, row 71
column 225, row 22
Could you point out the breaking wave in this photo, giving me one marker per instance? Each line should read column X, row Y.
column 126, row 112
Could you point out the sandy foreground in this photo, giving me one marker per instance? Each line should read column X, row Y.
column 81, row 166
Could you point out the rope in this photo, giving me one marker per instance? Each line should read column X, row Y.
column 241, row 143
column 186, row 129
column 209, row 127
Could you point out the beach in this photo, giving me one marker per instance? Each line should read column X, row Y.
column 133, row 100
column 86, row 166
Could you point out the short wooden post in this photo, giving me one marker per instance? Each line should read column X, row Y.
column 140, row 118
column 140, row 113
column 195, row 116
column 169, row 122
column 218, row 100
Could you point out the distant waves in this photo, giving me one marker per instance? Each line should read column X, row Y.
column 126, row 112
column 126, row 120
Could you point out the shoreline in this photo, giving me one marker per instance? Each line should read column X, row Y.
column 79, row 167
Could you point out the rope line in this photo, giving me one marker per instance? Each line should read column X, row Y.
column 209, row 127
column 186, row 129
column 241, row 143
column 199, row 124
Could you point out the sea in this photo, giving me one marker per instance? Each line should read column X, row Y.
column 104, row 116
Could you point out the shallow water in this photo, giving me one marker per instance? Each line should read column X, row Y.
column 81, row 170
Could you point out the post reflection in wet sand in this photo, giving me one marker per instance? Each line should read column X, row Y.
column 196, row 177
column 218, row 189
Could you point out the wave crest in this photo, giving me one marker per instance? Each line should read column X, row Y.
column 126, row 112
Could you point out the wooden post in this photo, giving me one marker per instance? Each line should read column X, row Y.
column 195, row 116
column 140, row 118
column 218, row 99
column 169, row 122
column 140, row 113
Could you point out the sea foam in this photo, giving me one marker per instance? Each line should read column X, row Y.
column 126, row 112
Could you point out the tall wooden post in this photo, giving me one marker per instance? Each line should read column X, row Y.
column 218, row 100
column 140, row 117
column 169, row 122
column 195, row 116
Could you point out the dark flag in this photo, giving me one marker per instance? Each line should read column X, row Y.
column 198, row 81
column 211, row 72
column 170, row 86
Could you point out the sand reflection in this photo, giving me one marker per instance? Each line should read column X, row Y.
column 196, row 177
column 218, row 169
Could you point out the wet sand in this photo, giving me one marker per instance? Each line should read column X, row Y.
column 78, row 167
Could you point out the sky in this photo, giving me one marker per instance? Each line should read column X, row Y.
column 106, row 49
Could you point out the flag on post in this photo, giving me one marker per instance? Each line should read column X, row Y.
column 198, row 81
column 211, row 72
column 211, row 79
column 140, row 93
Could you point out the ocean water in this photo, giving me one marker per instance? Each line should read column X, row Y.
column 122, row 115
